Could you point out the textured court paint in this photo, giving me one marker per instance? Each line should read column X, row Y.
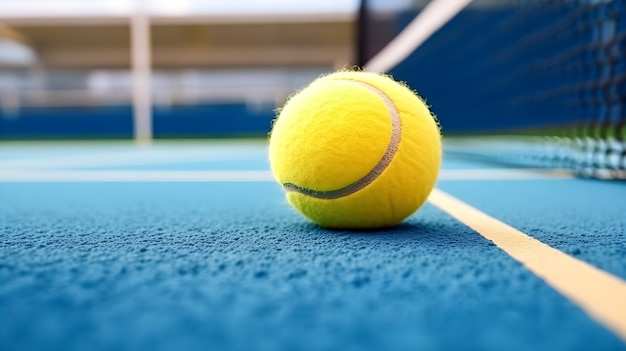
column 139, row 266
column 581, row 217
column 601, row 295
column 378, row 169
column 228, row 266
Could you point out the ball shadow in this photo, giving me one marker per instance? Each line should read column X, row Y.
column 417, row 232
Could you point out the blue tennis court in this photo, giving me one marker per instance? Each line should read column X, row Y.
column 137, row 262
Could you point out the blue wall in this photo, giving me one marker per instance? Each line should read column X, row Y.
column 218, row 120
column 68, row 122
column 215, row 120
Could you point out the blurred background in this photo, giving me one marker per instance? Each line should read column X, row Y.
column 540, row 82
column 77, row 69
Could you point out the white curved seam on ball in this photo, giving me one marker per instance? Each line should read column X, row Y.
column 374, row 173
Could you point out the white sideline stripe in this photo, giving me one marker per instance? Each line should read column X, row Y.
column 600, row 294
column 434, row 16
column 504, row 174
column 241, row 175
column 136, row 176
column 124, row 158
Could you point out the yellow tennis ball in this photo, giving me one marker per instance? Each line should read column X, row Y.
column 356, row 150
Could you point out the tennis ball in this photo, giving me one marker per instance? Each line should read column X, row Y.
column 355, row 150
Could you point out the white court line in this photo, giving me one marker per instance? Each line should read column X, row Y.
column 125, row 158
column 136, row 176
column 242, row 175
column 504, row 174
column 601, row 295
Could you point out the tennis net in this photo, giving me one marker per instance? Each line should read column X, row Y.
column 535, row 83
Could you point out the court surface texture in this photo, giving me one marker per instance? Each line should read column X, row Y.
column 192, row 245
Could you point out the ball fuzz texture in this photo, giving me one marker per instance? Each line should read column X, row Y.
column 355, row 150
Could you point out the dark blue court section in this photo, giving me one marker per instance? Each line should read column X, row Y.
column 216, row 266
